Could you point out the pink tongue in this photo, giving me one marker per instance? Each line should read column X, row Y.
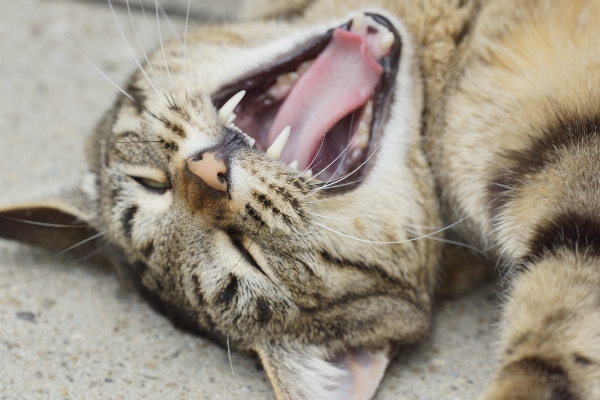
column 340, row 80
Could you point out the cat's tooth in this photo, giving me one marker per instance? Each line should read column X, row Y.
column 249, row 139
column 307, row 174
column 294, row 165
column 235, row 128
column 304, row 67
column 387, row 40
column 363, row 135
column 231, row 118
column 290, row 77
column 227, row 110
column 358, row 21
column 277, row 147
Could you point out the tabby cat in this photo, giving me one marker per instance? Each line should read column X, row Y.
column 222, row 181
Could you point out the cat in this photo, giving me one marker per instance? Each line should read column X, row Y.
column 283, row 258
column 237, row 245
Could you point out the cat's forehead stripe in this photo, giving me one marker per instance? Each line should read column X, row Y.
column 175, row 128
column 138, row 97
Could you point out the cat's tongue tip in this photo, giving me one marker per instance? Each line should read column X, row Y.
column 340, row 80
column 370, row 60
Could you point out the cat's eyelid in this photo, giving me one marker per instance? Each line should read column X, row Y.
column 143, row 171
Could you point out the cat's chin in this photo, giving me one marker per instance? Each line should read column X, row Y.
column 333, row 93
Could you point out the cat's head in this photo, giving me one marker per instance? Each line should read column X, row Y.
column 310, row 255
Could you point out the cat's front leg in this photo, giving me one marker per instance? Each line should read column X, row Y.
column 550, row 339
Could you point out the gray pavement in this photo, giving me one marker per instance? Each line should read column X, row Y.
column 67, row 330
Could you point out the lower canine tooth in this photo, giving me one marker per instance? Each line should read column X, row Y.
column 307, row 174
column 277, row 147
column 294, row 165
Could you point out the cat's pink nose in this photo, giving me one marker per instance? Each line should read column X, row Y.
column 211, row 170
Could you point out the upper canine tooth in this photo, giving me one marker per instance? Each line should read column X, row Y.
column 231, row 119
column 358, row 21
column 277, row 147
column 387, row 40
column 227, row 110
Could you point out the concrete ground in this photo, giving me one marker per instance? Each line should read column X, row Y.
column 66, row 329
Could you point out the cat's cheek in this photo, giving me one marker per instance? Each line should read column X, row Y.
column 152, row 208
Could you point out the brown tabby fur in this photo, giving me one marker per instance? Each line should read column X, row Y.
column 516, row 149
column 514, row 144
column 274, row 265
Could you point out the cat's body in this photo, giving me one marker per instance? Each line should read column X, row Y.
column 239, row 253
column 518, row 153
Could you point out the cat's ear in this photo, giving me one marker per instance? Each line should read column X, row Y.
column 59, row 224
column 298, row 371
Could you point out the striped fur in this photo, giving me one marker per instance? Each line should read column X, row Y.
column 322, row 286
column 517, row 152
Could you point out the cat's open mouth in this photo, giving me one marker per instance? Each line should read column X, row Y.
column 333, row 93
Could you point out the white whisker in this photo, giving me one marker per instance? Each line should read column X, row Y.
column 231, row 365
column 331, row 163
column 202, row 36
column 314, row 158
column 26, row 221
column 294, row 229
column 169, row 22
column 142, row 7
column 163, row 47
column 343, row 177
column 343, row 184
column 344, row 152
column 370, row 241
column 100, row 72
column 357, row 168
column 154, row 50
column 142, row 49
column 328, row 217
column 398, row 242
column 80, row 243
column 331, row 198
column 187, row 15
column 454, row 242
column 129, row 47
column 61, row 268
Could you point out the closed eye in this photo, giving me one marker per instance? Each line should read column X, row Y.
column 152, row 185
column 150, row 178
